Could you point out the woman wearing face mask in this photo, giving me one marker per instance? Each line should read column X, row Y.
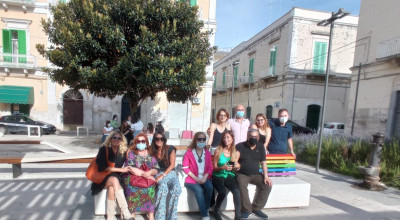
column 197, row 165
column 106, row 131
column 140, row 199
column 262, row 126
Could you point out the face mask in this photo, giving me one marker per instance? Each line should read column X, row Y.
column 201, row 144
column 253, row 141
column 141, row 146
column 109, row 125
column 240, row 114
column 283, row 120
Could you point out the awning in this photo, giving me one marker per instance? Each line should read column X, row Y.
column 16, row 94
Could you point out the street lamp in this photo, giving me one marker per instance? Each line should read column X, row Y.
column 234, row 64
column 338, row 15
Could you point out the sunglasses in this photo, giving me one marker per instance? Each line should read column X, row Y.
column 140, row 141
column 159, row 139
column 201, row 139
column 117, row 138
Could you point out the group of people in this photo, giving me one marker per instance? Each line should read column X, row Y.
column 238, row 151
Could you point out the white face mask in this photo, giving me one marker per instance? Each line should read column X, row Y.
column 283, row 120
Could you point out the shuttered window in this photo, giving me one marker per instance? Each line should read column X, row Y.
column 13, row 39
column 251, row 69
column 272, row 61
column 215, row 81
column 396, row 121
column 248, row 112
column 269, row 111
column 224, row 80
column 319, row 60
column 236, row 76
column 193, row 2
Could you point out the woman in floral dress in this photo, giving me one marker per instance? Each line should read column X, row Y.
column 140, row 199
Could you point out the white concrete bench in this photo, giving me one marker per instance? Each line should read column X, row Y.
column 84, row 128
column 286, row 192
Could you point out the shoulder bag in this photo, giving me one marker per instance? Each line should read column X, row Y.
column 93, row 174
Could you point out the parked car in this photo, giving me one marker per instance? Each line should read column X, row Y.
column 297, row 129
column 334, row 128
column 19, row 123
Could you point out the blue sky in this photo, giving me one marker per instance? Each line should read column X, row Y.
column 239, row 20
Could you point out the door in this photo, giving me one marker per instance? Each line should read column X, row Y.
column 73, row 107
column 313, row 116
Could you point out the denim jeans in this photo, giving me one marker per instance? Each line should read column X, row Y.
column 202, row 193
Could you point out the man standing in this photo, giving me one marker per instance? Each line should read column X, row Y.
column 252, row 154
column 239, row 124
column 282, row 134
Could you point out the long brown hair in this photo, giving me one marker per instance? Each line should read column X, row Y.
column 193, row 144
column 133, row 146
column 222, row 145
column 266, row 125
column 164, row 148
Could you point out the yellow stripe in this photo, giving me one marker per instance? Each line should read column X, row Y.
column 280, row 161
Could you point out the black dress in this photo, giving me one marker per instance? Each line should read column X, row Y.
column 217, row 137
column 262, row 139
column 119, row 161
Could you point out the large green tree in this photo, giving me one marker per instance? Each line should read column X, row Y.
column 133, row 47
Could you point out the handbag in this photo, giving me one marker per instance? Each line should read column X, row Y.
column 140, row 181
column 93, row 174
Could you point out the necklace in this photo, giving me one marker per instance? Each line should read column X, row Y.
column 199, row 160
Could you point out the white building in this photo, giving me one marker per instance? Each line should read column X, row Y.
column 378, row 51
column 283, row 66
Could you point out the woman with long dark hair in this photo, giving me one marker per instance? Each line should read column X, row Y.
column 167, row 180
column 225, row 164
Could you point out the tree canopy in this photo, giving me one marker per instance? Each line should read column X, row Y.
column 133, row 47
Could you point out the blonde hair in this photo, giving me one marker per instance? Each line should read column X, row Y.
column 222, row 145
column 123, row 144
column 266, row 124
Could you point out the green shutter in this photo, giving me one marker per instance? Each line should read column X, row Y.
column 251, row 69
column 22, row 46
column 7, row 45
column 248, row 112
column 269, row 111
column 272, row 61
column 224, row 80
column 236, row 76
column 193, row 2
column 215, row 81
column 319, row 60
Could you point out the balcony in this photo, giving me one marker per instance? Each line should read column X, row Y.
column 266, row 74
column 243, row 80
column 389, row 48
column 18, row 3
column 18, row 61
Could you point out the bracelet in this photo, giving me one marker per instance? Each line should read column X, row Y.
column 164, row 174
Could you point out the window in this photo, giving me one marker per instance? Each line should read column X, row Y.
column 269, row 111
column 235, row 75
column 319, row 59
column 251, row 69
column 215, row 81
column 396, row 119
column 14, row 42
column 248, row 112
column 224, row 80
column 272, row 61
column 193, row 2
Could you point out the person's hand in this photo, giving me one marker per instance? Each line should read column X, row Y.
column 267, row 152
column 125, row 170
column 228, row 167
column 267, row 180
column 203, row 180
column 293, row 154
column 197, row 180
column 146, row 174
column 236, row 166
column 159, row 178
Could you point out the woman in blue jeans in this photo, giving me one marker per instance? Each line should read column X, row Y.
column 197, row 165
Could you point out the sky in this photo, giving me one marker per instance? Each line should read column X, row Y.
column 239, row 20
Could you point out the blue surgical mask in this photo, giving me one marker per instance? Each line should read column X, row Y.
column 201, row 144
column 109, row 125
column 141, row 146
column 240, row 114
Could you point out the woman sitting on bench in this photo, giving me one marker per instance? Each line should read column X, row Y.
column 115, row 149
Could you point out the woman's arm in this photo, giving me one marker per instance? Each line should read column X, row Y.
column 212, row 130
column 117, row 170
column 172, row 158
column 267, row 139
column 104, row 131
column 237, row 164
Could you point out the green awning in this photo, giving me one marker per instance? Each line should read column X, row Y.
column 16, row 94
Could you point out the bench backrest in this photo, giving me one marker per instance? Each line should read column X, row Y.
column 280, row 165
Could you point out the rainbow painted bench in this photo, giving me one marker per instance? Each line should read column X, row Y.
column 281, row 165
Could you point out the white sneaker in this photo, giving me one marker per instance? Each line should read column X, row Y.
column 206, row 218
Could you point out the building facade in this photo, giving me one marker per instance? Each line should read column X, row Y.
column 21, row 76
column 283, row 66
column 378, row 51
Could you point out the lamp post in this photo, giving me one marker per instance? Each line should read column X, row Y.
column 338, row 15
column 234, row 64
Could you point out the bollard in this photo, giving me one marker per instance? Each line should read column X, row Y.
column 371, row 171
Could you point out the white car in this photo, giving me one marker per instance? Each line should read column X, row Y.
column 334, row 128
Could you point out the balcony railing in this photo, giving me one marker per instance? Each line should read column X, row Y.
column 388, row 48
column 18, row 61
column 28, row 2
